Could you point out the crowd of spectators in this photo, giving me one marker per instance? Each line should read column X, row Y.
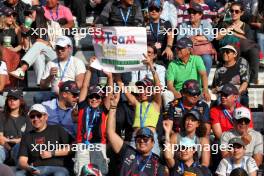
column 79, row 127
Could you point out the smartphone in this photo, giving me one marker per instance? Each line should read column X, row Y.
column 32, row 168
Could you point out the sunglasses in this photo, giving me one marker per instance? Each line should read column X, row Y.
column 227, row 51
column 243, row 121
column 237, row 146
column 142, row 138
column 59, row 48
column 194, row 94
column 224, row 95
column 38, row 115
column 96, row 96
column 193, row 12
column 235, row 11
column 151, row 9
column 184, row 148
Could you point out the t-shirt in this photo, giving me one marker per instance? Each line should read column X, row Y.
column 181, row 169
column 176, row 112
column 254, row 147
column 131, row 163
column 96, row 124
column 226, row 166
column 31, row 144
column 74, row 68
column 217, row 116
column 14, row 127
column 236, row 74
column 61, row 12
column 3, row 68
column 178, row 72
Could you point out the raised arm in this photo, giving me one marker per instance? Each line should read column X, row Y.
column 115, row 140
column 109, row 89
column 168, row 153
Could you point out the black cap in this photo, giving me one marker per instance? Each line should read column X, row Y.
column 191, row 87
column 17, row 93
column 95, row 90
column 6, row 11
column 146, row 82
column 69, row 86
column 229, row 89
column 195, row 113
column 146, row 132
column 184, row 43
column 196, row 7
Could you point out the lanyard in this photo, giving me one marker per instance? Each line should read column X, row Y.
column 182, row 107
column 242, row 164
column 156, row 36
column 182, row 167
column 228, row 115
column 65, row 68
column 142, row 120
column 57, row 13
column 145, row 164
column 127, row 15
column 89, row 126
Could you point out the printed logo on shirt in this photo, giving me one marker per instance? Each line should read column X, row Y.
column 40, row 140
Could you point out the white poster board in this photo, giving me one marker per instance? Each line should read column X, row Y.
column 120, row 49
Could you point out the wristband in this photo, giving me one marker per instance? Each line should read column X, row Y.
column 169, row 46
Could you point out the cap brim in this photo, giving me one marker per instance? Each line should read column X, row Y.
column 233, row 49
column 61, row 44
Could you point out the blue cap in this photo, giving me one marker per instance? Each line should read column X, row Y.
column 154, row 3
column 195, row 113
column 144, row 132
column 187, row 142
column 184, row 43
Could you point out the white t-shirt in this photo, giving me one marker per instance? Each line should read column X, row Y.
column 226, row 166
column 3, row 68
column 74, row 67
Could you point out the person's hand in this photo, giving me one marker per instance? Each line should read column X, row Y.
column 75, row 113
column 246, row 138
column 167, row 126
column 53, row 71
column 91, row 60
column 168, row 53
column 147, row 61
column 114, row 100
column 15, row 140
column 108, row 74
column 177, row 95
column 45, row 154
column 206, row 95
column 3, row 140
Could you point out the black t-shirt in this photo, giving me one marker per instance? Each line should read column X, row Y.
column 30, row 145
column 152, row 32
column 180, row 169
column 14, row 127
column 236, row 74
column 131, row 163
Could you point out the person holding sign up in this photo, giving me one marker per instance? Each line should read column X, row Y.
column 147, row 103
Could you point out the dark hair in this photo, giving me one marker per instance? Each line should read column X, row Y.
column 153, row 47
column 200, row 130
column 41, row 20
column 238, row 172
column 22, row 108
column 238, row 4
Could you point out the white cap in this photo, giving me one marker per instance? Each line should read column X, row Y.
column 63, row 41
column 39, row 108
column 242, row 112
column 187, row 142
column 229, row 47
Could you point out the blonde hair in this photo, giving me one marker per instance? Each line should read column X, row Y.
column 3, row 24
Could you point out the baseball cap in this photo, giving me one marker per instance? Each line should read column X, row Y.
column 236, row 140
column 229, row 47
column 191, row 87
column 184, row 43
column 154, row 3
column 69, row 86
column 146, row 82
column 195, row 113
column 187, row 142
column 17, row 93
column 242, row 112
column 95, row 90
column 196, row 7
column 145, row 132
column 63, row 41
column 229, row 89
column 90, row 169
column 8, row 11
column 39, row 108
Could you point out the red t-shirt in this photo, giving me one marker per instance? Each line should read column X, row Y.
column 217, row 116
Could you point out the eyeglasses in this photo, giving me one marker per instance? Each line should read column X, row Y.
column 96, row 96
column 38, row 115
column 235, row 11
column 224, row 95
column 142, row 138
column 191, row 11
column 243, row 121
column 151, row 9
column 227, row 51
